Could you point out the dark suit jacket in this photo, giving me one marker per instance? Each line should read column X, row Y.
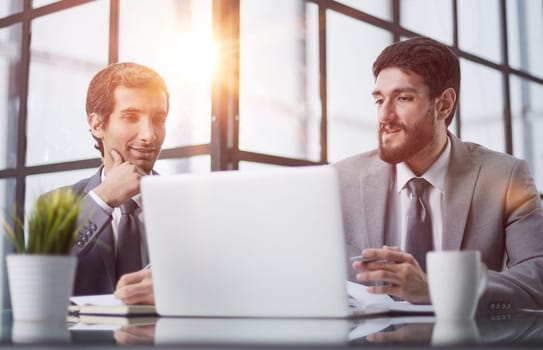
column 490, row 204
column 94, row 246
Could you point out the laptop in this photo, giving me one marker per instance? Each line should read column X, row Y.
column 247, row 244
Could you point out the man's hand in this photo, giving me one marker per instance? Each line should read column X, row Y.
column 400, row 272
column 136, row 288
column 122, row 181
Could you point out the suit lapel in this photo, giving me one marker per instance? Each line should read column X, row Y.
column 374, row 196
column 459, row 187
column 107, row 251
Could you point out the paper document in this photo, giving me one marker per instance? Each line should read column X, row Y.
column 107, row 304
column 98, row 299
column 361, row 299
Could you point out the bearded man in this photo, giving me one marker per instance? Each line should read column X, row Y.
column 471, row 198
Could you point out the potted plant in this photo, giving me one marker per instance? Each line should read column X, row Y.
column 41, row 272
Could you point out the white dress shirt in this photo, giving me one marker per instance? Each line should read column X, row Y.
column 116, row 217
column 435, row 175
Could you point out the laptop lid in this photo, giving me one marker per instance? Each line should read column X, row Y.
column 260, row 243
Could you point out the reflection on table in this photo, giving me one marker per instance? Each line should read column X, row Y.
column 504, row 329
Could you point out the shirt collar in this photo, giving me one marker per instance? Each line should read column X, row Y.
column 435, row 174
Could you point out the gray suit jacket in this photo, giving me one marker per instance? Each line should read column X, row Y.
column 94, row 246
column 490, row 204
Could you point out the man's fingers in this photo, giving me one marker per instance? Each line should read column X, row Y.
column 136, row 294
column 133, row 277
column 391, row 255
column 117, row 158
column 378, row 275
column 395, row 248
column 140, row 299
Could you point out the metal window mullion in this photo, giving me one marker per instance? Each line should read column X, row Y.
column 114, row 13
column 323, row 85
column 508, row 132
column 225, row 87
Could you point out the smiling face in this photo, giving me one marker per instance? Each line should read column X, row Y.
column 410, row 128
column 135, row 128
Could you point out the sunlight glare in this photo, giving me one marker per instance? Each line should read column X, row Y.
column 194, row 57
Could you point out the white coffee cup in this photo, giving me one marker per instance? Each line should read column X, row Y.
column 456, row 279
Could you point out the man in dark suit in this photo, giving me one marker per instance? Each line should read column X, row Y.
column 476, row 199
column 127, row 105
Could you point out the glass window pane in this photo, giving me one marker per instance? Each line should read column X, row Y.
column 40, row 3
column 279, row 110
column 198, row 164
column 431, row 18
column 381, row 8
column 525, row 35
column 527, row 115
column 479, row 28
column 481, row 106
column 9, row 7
column 352, row 46
column 7, row 199
column 61, row 66
column 9, row 94
column 176, row 40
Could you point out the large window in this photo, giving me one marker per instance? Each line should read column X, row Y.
column 253, row 83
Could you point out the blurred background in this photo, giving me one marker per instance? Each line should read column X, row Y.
column 253, row 83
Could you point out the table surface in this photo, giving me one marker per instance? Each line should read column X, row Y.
column 518, row 330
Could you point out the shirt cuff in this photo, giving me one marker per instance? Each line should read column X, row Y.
column 101, row 203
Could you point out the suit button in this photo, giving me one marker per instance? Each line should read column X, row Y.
column 80, row 243
column 92, row 227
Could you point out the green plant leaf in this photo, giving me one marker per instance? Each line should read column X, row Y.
column 52, row 224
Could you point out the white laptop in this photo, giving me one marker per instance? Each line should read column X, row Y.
column 258, row 244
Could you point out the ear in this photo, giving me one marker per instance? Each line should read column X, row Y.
column 96, row 125
column 445, row 103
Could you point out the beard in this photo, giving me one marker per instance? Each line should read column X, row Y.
column 417, row 136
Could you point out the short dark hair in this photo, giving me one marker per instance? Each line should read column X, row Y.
column 100, row 94
column 434, row 62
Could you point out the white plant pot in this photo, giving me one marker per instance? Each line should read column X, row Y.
column 40, row 286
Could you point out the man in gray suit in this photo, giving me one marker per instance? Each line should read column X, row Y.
column 127, row 105
column 477, row 199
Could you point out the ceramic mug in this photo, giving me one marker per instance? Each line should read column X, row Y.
column 456, row 280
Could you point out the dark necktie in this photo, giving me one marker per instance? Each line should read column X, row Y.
column 419, row 224
column 128, row 240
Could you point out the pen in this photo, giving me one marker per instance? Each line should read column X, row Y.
column 366, row 260
column 148, row 266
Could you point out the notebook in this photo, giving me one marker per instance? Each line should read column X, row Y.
column 258, row 243
column 106, row 305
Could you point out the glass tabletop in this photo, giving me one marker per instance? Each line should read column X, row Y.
column 520, row 329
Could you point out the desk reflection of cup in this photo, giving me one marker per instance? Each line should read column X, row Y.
column 456, row 279
column 455, row 332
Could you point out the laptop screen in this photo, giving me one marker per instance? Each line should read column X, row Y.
column 261, row 243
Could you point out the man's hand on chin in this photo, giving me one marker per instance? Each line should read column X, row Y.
column 122, row 181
